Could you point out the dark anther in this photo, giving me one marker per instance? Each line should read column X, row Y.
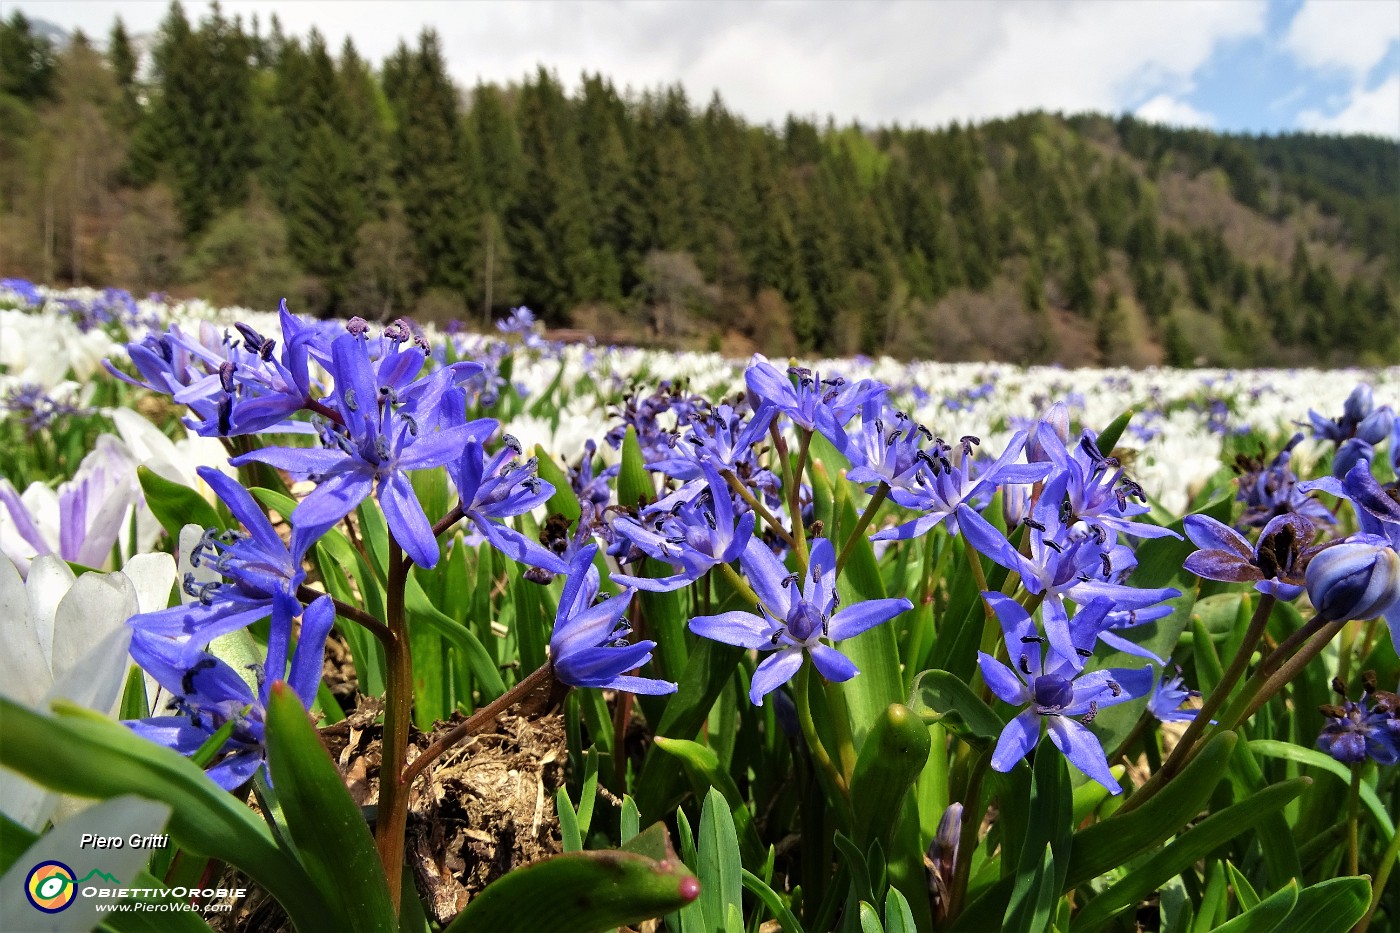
column 251, row 338
column 187, row 681
column 1031, row 639
column 1106, row 563
column 777, row 636
column 790, row 578
column 1332, row 711
column 226, row 376
column 968, row 441
column 1122, row 498
column 357, row 326
column 510, row 441
column 350, row 401
column 1368, row 681
column 1339, row 687
column 412, row 425
column 1026, row 665
column 1053, row 546
column 1066, row 512
column 225, row 413
column 1115, row 687
column 1032, row 523
column 1093, row 712
column 1084, row 652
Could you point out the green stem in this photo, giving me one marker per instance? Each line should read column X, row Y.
column 1269, row 688
column 758, row 507
column 792, row 483
column 1378, row 886
column 398, row 707
column 841, row 722
column 1185, row 748
column 741, row 586
column 1353, row 814
column 802, row 689
column 863, row 523
column 967, row 834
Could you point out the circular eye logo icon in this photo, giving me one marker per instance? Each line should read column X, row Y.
column 50, row 887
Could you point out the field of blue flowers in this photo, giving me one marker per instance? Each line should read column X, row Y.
column 384, row 628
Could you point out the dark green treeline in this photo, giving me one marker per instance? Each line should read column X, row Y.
column 244, row 165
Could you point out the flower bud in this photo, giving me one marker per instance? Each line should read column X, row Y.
column 1358, row 578
column 1359, row 403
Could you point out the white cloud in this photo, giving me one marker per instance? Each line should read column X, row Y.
column 1376, row 111
column 876, row 60
column 1173, row 112
column 1350, row 35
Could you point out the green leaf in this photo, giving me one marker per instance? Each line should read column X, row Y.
column 134, row 704
column 1332, row 906
column 82, row 753
column 583, row 892
column 659, row 787
column 706, row 776
column 1108, row 437
column 869, row 919
column 941, row 697
column 174, row 505
column 328, row 828
column 14, row 839
column 891, row 758
column 1188, row 847
column 1245, row 894
column 630, row 819
column 898, row 917
column 1316, row 759
column 1266, row 915
column 569, row 833
column 1044, row 856
column 634, row 484
column 770, row 898
column 654, row 842
column 563, row 502
column 1111, row 843
column 874, row 651
column 717, row 848
column 483, row 668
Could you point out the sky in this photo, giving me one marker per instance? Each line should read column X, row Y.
column 1258, row 66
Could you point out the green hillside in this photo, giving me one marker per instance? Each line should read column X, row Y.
column 244, row 165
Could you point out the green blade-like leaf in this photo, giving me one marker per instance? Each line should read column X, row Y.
column 1331, row 906
column 563, row 502
column 584, row 892
column 174, row 505
column 1325, row 762
column 941, row 697
column 760, row 889
column 1264, row 916
column 1198, row 841
column 327, row 826
column 717, row 848
column 82, row 753
column 1044, row 856
column 898, row 917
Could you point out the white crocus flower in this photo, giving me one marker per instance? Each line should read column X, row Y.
column 177, row 461
column 81, row 520
column 66, row 637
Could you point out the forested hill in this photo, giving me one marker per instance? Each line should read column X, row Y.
column 241, row 164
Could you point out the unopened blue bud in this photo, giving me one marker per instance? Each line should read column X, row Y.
column 1356, row 579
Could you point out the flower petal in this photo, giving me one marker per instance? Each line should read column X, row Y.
column 1001, row 681
column 736, row 627
column 776, row 670
column 1016, row 740
column 1083, row 750
column 832, row 664
column 854, row 619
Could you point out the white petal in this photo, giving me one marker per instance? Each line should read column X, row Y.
column 50, row 579
column 122, row 817
column 152, row 575
column 97, row 605
column 24, row 669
